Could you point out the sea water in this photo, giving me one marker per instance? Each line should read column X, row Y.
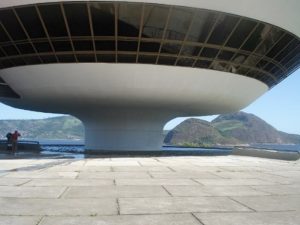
column 75, row 148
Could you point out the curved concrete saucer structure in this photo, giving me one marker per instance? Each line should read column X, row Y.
column 126, row 68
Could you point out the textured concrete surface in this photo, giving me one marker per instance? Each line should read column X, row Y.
column 218, row 190
column 258, row 218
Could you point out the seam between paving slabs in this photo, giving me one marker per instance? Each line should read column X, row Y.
column 197, row 182
column 40, row 220
column 118, row 206
column 167, row 190
column 18, row 185
column 197, row 219
column 241, row 204
column 63, row 192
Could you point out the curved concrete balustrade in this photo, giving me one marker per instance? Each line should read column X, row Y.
column 266, row 153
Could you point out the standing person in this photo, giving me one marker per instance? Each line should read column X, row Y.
column 14, row 140
column 8, row 136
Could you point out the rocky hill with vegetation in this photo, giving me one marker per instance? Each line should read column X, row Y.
column 229, row 129
column 195, row 132
column 62, row 127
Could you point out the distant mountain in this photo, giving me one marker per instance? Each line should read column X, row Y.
column 62, row 127
column 230, row 129
column 194, row 132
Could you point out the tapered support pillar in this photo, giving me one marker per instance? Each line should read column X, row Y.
column 124, row 130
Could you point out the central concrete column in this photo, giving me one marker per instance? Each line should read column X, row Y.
column 124, row 130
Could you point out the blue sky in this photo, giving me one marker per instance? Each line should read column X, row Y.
column 280, row 107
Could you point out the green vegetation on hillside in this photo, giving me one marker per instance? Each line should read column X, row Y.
column 228, row 129
column 63, row 127
column 195, row 132
column 224, row 126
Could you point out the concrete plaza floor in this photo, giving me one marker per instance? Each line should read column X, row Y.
column 216, row 190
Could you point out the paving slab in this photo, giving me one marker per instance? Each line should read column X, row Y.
column 279, row 180
column 187, row 168
column 19, row 220
column 31, row 192
column 289, row 174
column 155, row 182
column 179, row 205
column 186, row 191
column 140, row 168
column 70, row 182
column 198, row 174
column 112, row 163
column 34, row 174
column 116, row 192
column 152, row 163
column 246, row 168
column 170, row 219
column 10, row 165
column 199, row 169
column 112, row 175
column 96, row 169
column 280, row 189
column 79, row 162
column 129, row 159
column 232, row 182
column 265, row 176
column 12, row 181
column 35, row 166
column 65, row 168
column 256, row 218
column 134, row 159
column 74, row 168
column 271, row 203
column 57, row 207
column 246, row 174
